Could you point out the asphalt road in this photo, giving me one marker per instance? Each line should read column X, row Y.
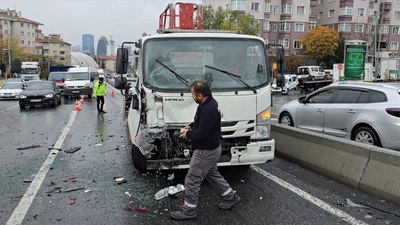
column 42, row 185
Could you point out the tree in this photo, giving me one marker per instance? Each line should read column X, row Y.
column 229, row 20
column 16, row 65
column 320, row 42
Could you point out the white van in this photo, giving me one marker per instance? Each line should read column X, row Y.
column 310, row 73
column 79, row 81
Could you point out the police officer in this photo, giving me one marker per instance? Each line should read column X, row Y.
column 99, row 91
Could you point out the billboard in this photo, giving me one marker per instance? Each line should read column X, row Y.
column 354, row 61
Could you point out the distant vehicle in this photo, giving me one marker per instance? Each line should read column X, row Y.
column 310, row 73
column 364, row 112
column 101, row 73
column 44, row 93
column 30, row 71
column 79, row 81
column 58, row 78
column 11, row 89
column 291, row 83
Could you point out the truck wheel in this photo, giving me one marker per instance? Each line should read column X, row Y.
column 139, row 161
column 366, row 135
column 286, row 119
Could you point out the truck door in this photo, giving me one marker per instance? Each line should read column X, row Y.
column 134, row 115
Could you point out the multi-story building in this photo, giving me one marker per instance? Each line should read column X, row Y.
column 88, row 44
column 286, row 21
column 13, row 25
column 55, row 48
column 102, row 46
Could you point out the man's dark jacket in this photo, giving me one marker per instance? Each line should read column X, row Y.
column 206, row 128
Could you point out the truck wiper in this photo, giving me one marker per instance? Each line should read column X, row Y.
column 177, row 75
column 233, row 76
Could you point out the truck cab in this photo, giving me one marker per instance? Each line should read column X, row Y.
column 30, row 71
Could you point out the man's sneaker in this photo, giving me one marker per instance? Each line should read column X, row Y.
column 228, row 204
column 180, row 215
column 103, row 111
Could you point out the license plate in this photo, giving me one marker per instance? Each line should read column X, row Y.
column 36, row 100
column 75, row 91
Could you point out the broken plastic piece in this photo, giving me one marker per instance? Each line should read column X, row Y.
column 127, row 193
column 171, row 190
column 72, row 150
column 120, row 180
column 170, row 176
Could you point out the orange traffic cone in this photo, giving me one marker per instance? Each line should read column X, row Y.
column 82, row 101
column 76, row 108
column 112, row 93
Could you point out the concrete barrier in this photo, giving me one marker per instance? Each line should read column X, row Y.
column 368, row 168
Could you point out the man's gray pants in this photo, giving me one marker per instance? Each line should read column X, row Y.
column 204, row 165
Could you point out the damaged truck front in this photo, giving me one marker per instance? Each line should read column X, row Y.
column 236, row 68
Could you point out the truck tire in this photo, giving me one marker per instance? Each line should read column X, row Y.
column 139, row 161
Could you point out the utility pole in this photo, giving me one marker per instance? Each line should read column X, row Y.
column 377, row 45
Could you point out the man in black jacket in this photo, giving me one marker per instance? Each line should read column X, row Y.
column 205, row 133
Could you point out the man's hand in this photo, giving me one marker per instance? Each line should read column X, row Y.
column 183, row 134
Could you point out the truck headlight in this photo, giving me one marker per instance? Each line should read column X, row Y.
column 48, row 95
column 263, row 124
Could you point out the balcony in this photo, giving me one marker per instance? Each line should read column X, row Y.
column 386, row 6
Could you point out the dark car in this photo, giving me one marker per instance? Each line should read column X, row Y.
column 44, row 93
column 58, row 78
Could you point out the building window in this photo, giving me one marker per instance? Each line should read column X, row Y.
column 360, row 12
column 311, row 26
column 297, row 44
column 394, row 46
column 321, row 1
column 266, row 26
column 276, row 9
column 267, row 7
column 301, row 10
column 345, row 10
column 331, row 26
column 320, row 15
column 331, row 13
column 397, row 15
column 284, row 42
column 22, row 33
column 344, row 27
column 286, row 9
column 359, row 28
column 384, row 29
column 22, row 42
column 54, row 52
column 382, row 44
column 274, row 43
column 62, row 52
column 22, row 24
column 255, row 6
column 396, row 30
column 299, row 27
column 238, row 4
column 284, row 26
column 275, row 27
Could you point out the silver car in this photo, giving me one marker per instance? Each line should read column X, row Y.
column 364, row 112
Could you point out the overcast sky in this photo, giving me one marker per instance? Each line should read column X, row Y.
column 126, row 19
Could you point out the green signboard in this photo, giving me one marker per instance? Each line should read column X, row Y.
column 354, row 61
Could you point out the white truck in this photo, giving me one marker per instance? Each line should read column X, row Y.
column 237, row 69
column 30, row 71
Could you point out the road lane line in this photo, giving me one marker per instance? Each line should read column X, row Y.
column 15, row 106
column 316, row 201
column 26, row 201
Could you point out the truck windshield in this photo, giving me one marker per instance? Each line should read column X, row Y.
column 194, row 59
column 29, row 70
column 77, row 76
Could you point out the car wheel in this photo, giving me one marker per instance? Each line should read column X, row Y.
column 22, row 106
column 286, row 119
column 366, row 135
column 139, row 161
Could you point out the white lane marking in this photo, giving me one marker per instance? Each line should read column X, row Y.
column 15, row 106
column 316, row 201
column 19, row 213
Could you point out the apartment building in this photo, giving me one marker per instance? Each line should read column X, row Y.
column 13, row 25
column 286, row 21
column 55, row 48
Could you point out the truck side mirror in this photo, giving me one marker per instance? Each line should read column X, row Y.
column 122, row 60
column 135, row 102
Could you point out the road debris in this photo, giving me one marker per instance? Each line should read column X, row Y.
column 120, row 180
column 137, row 209
column 29, row 147
column 171, row 176
column 73, row 149
column 87, row 191
column 27, row 181
column 352, row 204
column 72, row 200
column 19, row 196
column 98, row 144
column 127, row 193
column 72, row 189
column 171, row 190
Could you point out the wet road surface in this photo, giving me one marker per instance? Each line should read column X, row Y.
column 80, row 187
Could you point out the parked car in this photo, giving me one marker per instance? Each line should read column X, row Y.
column 310, row 73
column 11, row 89
column 58, row 78
column 291, row 83
column 44, row 93
column 364, row 112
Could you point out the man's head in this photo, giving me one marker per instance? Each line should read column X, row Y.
column 101, row 79
column 200, row 91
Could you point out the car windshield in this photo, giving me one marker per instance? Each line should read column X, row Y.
column 39, row 86
column 77, row 76
column 12, row 86
column 170, row 64
column 56, row 76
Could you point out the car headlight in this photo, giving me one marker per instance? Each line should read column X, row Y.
column 263, row 124
column 22, row 96
column 49, row 96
